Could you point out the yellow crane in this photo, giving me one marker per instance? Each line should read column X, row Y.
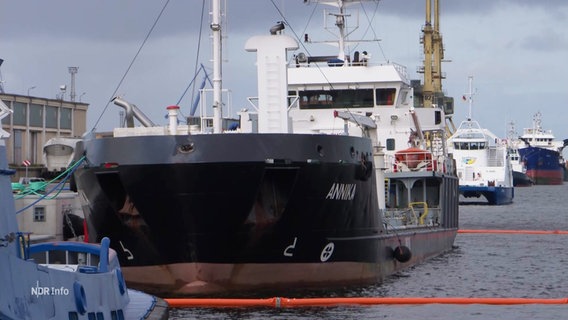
column 432, row 92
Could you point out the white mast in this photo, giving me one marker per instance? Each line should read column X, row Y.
column 470, row 96
column 217, row 93
column 73, row 71
column 340, row 23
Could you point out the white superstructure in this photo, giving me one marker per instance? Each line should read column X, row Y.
column 536, row 136
column 482, row 158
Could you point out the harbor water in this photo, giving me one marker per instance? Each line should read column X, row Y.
column 480, row 265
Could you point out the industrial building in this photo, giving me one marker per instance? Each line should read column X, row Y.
column 35, row 120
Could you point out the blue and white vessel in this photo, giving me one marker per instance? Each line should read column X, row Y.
column 482, row 160
column 61, row 280
column 541, row 153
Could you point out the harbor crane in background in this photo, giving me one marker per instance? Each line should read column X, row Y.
column 431, row 90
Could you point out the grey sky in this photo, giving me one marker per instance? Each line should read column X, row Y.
column 515, row 49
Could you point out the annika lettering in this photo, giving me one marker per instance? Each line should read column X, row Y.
column 341, row 191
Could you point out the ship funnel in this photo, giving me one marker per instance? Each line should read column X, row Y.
column 132, row 112
column 277, row 28
column 272, row 81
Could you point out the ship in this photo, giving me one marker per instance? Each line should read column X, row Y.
column 61, row 280
column 541, row 154
column 483, row 161
column 297, row 196
column 520, row 178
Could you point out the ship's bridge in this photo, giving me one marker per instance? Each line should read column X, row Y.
column 318, row 90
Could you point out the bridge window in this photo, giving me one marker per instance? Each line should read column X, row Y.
column 469, row 145
column 336, row 99
column 385, row 96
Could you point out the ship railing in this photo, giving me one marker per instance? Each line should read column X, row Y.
column 401, row 69
column 206, row 101
column 79, row 256
column 300, row 61
column 417, row 214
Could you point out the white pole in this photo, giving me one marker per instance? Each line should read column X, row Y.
column 470, row 96
column 379, row 162
column 217, row 93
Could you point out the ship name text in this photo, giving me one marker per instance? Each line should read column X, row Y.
column 342, row 191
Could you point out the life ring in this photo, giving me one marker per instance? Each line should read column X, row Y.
column 80, row 298
column 121, row 283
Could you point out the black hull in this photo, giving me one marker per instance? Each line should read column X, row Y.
column 521, row 180
column 215, row 278
column 222, row 212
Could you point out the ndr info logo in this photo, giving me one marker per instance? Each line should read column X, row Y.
column 49, row 291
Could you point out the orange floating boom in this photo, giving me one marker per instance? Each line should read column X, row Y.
column 219, row 302
column 311, row 302
column 512, row 231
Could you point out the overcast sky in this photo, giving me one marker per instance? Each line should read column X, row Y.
column 516, row 50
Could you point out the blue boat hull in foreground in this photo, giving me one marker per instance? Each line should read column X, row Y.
column 61, row 280
column 494, row 195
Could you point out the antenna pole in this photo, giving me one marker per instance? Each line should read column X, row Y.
column 470, row 96
column 73, row 71
column 217, row 93
column 340, row 23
